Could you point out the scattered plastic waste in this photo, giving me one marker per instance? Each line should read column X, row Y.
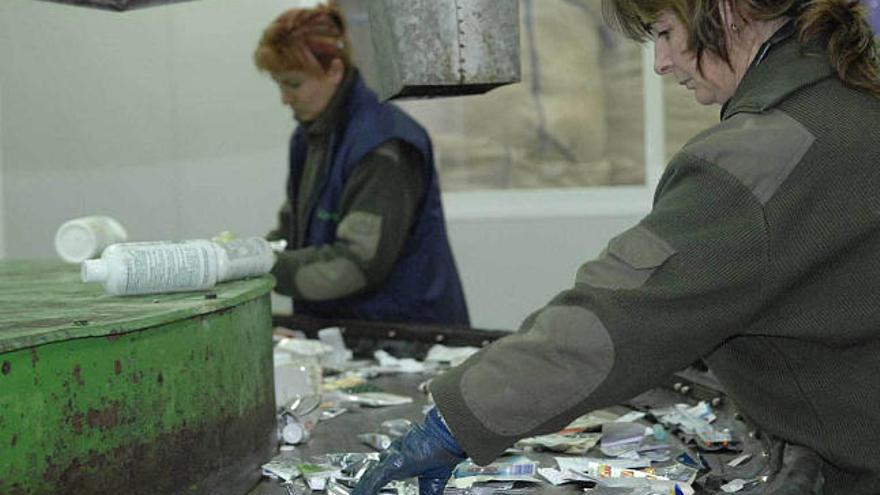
column 487, row 488
column 85, row 238
column 292, row 431
column 453, row 356
column 334, row 487
column 739, row 484
column 695, row 421
column 390, row 364
column 305, row 347
column 378, row 441
column 345, row 382
column 643, row 459
column 297, row 376
column 336, row 474
column 620, row 438
column 631, row 417
column 694, row 461
column 739, row 460
column 678, row 472
column 558, row 477
column 282, row 467
column 659, row 432
column 297, row 487
column 332, row 412
column 592, row 421
column 339, row 354
column 516, row 468
column 298, row 417
column 577, row 443
column 377, row 399
column 583, row 463
column 396, row 427
column 317, row 475
column 616, row 477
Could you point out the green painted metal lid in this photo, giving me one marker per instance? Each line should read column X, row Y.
column 45, row 301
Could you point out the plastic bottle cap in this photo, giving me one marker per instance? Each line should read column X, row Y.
column 294, row 433
column 93, row 271
column 75, row 242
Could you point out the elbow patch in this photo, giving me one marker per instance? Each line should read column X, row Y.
column 527, row 379
column 363, row 231
column 628, row 262
column 333, row 279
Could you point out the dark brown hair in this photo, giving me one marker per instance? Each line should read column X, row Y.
column 304, row 39
column 843, row 24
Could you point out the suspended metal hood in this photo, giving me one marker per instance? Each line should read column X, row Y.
column 426, row 48
column 417, row 48
column 119, row 5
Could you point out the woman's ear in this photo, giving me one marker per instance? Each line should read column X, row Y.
column 336, row 71
column 732, row 22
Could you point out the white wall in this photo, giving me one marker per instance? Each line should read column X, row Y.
column 2, row 204
column 155, row 116
column 158, row 118
column 4, row 34
column 513, row 266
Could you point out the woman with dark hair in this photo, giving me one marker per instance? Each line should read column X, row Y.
column 760, row 256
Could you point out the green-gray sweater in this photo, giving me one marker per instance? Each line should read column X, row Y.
column 761, row 255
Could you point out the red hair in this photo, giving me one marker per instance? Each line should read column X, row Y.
column 304, row 39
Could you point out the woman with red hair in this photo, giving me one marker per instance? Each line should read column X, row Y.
column 363, row 217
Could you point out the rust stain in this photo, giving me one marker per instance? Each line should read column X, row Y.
column 186, row 456
column 34, row 357
column 76, row 421
column 104, row 418
column 117, row 367
column 7, row 367
column 51, row 472
column 77, row 374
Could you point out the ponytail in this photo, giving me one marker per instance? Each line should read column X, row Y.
column 851, row 46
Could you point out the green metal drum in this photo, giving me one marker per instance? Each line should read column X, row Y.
column 139, row 394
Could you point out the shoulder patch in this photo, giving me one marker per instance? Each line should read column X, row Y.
column 389, row 150
column 760, row 150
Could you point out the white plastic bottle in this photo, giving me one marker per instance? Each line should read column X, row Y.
column 242, row 258
column 85, row 238
column 157, row 267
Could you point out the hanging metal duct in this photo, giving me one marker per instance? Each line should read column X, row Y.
column 119, row 5
column 420, row 48
column 426, row 48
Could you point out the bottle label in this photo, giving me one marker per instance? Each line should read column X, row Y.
column 247, row 258
column 170, row 267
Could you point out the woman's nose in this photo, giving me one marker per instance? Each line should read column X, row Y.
column 662, row 63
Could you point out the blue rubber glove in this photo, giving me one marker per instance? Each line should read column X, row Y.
column 428, row 451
